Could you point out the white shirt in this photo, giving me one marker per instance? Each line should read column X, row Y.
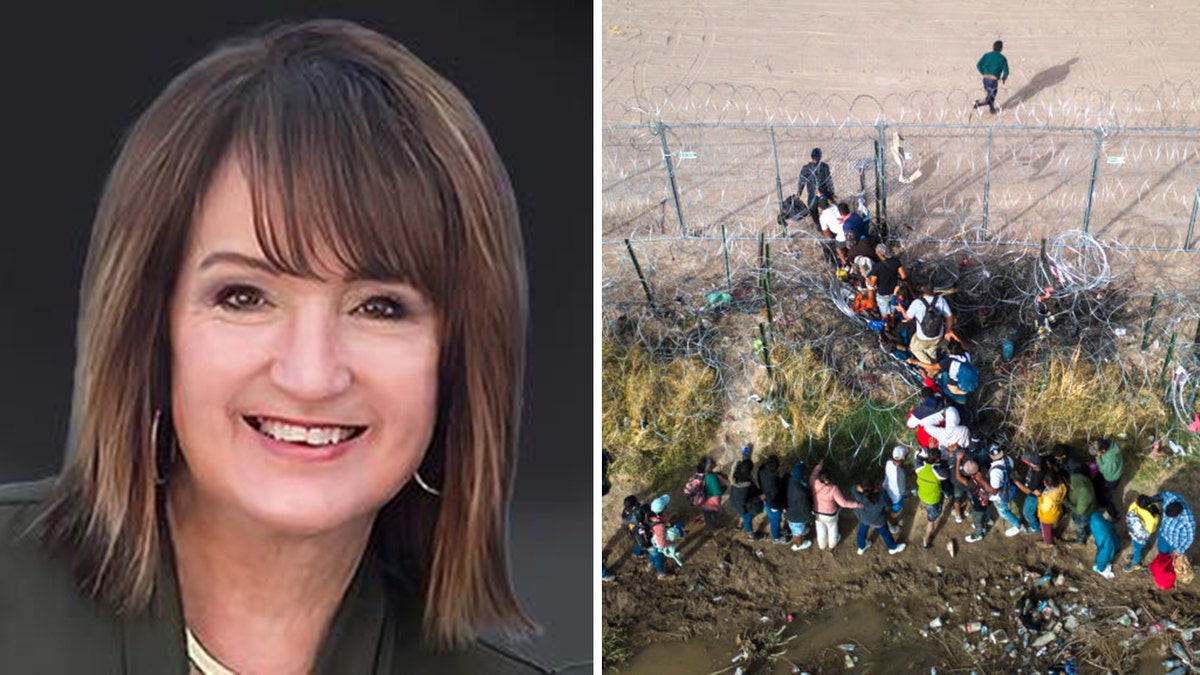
column 831, row 221
column 916, row 311
column 996, row 477
column 893, row 481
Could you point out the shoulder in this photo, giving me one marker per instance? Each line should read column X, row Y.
column 483, row 656
column 19, row 506
column 42, row 608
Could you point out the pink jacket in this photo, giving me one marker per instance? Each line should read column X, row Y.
column 826, row 496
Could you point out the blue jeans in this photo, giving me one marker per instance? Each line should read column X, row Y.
column 1082, row 530
column 884, row 534
column 748, row 522
column 1004, row 508
column 774, row 516
column 1029, row 510
column 990, row 87
column 1137, row 552
column 1164, row 546
column 658, row 560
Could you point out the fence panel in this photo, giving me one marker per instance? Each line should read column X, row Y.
column 1146, row 188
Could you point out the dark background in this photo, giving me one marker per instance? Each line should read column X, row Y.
column 74, row 83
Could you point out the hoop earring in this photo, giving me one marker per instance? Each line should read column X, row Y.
column 425, row 486
column 161, row 471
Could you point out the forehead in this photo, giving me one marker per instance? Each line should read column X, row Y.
column 225, row 221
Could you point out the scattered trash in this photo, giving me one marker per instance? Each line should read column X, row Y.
column 939, row 569
column 849, row 661
column 936, row 623
column 763, row 619
column 848, row 646
column 1058, row 580
column 1044, row 639
column 1039, row 581
column 1071, row 623
column 975, row 627
column 950, row 547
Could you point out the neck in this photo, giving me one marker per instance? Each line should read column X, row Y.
column 258, row 600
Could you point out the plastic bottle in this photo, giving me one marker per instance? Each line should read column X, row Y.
column 1006, row 350
column 975, row 627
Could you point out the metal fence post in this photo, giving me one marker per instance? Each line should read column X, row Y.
column 661, row 130
column 641, row 277
column 882, row 171
column 1187, row 243
column 725, row 248
column 778, row 179
column 987, row 180
column 1087, row 215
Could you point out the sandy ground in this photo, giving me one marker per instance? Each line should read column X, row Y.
column 880, row 47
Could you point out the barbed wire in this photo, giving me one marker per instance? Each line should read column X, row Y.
column 1165, row 105
column 1079, row 298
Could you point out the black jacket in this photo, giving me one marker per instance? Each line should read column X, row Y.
column 799, row 501
column 873, row 509
column 47, row 626
column 742, row 496
column 773, row 487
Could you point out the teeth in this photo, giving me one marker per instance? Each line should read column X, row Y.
column 308, row 435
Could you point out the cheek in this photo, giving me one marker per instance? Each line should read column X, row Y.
column 208, row 367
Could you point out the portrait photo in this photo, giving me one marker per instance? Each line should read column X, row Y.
column 298, row 342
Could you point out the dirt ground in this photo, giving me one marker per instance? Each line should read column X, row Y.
column 883, row 604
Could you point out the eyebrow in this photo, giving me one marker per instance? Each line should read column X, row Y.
column 239, row 259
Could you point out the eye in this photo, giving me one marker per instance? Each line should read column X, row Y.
column 383, row 308
column 240, row 298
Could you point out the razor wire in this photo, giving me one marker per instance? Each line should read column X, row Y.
column 1090, row 296
column 1165, row 105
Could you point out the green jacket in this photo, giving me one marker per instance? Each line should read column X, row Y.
column 1081, row 498
column 993, row 63
column 1111, row 463
column 46, row 626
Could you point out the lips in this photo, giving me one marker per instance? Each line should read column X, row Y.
column 316, row 435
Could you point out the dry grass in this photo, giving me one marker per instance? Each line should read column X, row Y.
column 808, row 407
column 660, row 413
column 1068, row 399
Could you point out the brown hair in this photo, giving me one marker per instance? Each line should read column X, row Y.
column 352, row 145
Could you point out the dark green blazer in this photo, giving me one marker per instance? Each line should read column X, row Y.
column 48, row 627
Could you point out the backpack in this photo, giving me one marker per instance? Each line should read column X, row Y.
column 932, row 321
column 968, row 375
column 694, row 489
column 638, row 524
column 1008, row 491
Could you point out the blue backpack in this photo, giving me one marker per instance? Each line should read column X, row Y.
column 968, row 377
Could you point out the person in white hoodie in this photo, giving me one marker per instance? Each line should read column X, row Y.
column 895, row 484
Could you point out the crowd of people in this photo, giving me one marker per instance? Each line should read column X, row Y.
column 950, row 466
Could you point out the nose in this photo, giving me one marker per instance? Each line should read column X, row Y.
column 309, row 362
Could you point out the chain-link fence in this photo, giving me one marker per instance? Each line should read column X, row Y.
column 1136, row 187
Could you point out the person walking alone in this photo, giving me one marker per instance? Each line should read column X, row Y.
column 994, row 68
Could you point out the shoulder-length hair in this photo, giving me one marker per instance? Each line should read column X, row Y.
column 351, row 145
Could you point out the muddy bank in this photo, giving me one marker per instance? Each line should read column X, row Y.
column 883, row 605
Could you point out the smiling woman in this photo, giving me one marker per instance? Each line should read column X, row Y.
column 300, row 352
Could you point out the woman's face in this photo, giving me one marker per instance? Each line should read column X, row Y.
column 300, row 404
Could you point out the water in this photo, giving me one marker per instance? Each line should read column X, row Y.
column 864, row 623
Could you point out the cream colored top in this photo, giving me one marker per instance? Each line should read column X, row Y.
column 200, row 662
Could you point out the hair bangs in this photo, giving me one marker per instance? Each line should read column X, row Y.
column 340, row 177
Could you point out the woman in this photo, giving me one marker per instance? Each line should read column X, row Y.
column 1050, row 505
column 826, row 500
column 304, row 293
